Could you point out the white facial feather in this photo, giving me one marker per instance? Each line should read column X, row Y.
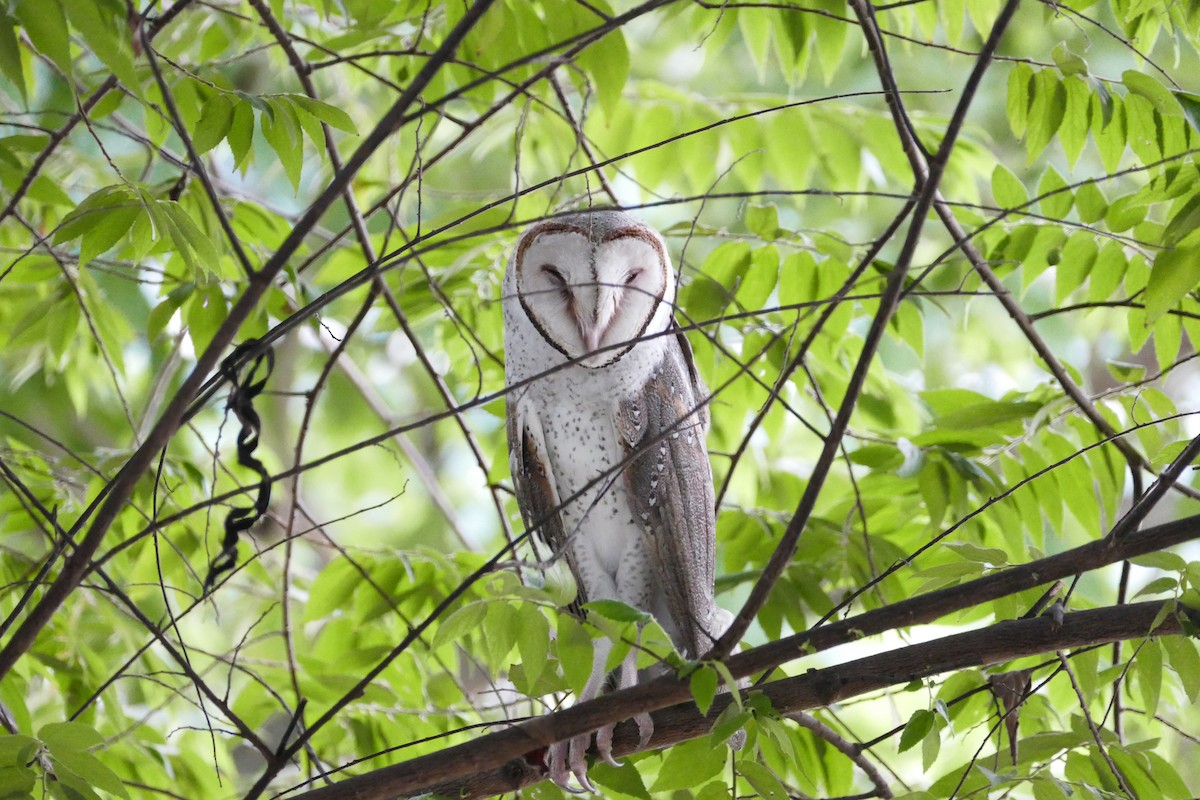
column 594, row 297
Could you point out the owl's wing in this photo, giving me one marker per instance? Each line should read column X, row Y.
column 670, row 485
column 533, row 479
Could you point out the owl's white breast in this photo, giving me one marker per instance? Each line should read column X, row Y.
column 576, row 407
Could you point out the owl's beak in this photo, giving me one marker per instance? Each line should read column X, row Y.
column 592, row 330
column 591, row 338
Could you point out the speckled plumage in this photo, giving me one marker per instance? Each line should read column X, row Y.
column 588, row 297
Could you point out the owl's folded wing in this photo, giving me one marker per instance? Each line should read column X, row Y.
column 670, row 485
column 533, row 480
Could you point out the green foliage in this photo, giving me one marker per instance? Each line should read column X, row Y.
column 377, row 612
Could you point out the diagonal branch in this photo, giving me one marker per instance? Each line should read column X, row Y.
column 496, row 763
column 887, row 306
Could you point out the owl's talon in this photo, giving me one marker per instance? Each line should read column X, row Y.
column 579, row 746
column 604, row 746
column 645, row 729
column 566, row 761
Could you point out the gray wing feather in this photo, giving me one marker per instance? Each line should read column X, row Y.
column 671, row 488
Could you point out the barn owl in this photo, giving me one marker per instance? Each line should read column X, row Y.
column 608, row 446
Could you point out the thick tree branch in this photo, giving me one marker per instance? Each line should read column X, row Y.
column 495, row 763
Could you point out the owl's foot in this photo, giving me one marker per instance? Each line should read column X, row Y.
column 604, row 745
column 604, row 738
column 566, row 760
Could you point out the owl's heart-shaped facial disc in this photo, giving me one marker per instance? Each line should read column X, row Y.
column 592, row 298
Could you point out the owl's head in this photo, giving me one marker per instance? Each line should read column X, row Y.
column 594, row 283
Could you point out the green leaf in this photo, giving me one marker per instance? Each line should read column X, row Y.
column 987, row 414
column 241, row 131
column 281, row 128
column 455, row 627
column 716, row 790
column 574, row 648
column 330, row 115
column 69, row 736
column 607, row 61
column 704, row 683
column 18, row 749
column 10, row 54
column 1045, row 112
column 533, row 641
column 1020, row 79
column 763, row 221
column 17, row 782
column 92, row 770
column 1007, row 188
column 709, row 293
column 1148, row 664
column 1126, row 212
column 46, row 26
column 1110, row 139
column 1090, row 202
column 49, row 192
column 1166, row 777
column 830, row 39
column 1165, row 560
column 108, row 35
column 111, row 225
column 1159, row 96
column 1143, row 128
column 931, row 746
column 1182, row 655
column 1158, row 586
column 1056, row 200
column 1126, row 372
column 760, row 279
column 624, row 780
column 69, row 783
column 1046, row 788
column 1074, row 265
column 763, row 780
column 1076, row 118
column 161, row 314
column 1108, row 271
column 934, row 483
column 216, row 118
column 500, row 626
column 689, row 765
column 1068, row 63
column 983, row 555
column 756, row 32
column 1186, row 220
column 187, row 236
column 205, row 311
column 90, row 213
column 918, row 725
column 1190, row 103
column 617, row 611
column 730, row 721
column 1176, row 272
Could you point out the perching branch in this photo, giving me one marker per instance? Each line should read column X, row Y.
column 498, row 762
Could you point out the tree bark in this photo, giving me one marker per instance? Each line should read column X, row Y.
column 509, row 759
